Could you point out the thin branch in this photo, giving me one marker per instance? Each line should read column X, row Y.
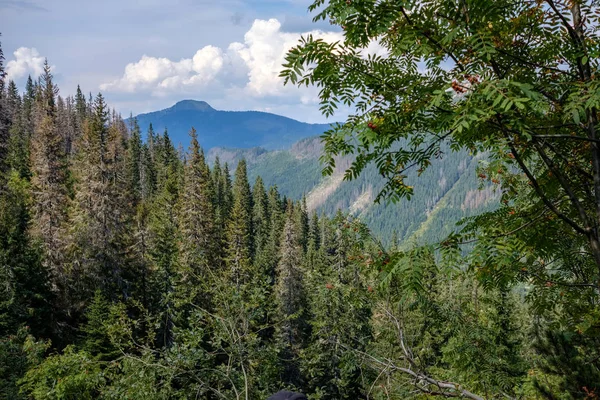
column 539, row 190
column 566, row 186
column 572, row 137
column 455, row 390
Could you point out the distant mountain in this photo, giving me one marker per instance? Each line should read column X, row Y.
column 240, row 129
column 444, row 194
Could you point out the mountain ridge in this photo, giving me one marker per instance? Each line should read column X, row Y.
column 220, row 128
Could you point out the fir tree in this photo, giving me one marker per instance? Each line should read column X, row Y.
column 276, row 223
column 291, row 299
column 302, row 221
column 134, row 162
column 4, row 122
column 163, row 247
column 25, row 297
column 100, row 212
column 18, row 146
column 239, row 230
column 197, row 247
column 49, row 179
column 314, row 233
column 261, row 223
column 81, row 107
column 147, row 174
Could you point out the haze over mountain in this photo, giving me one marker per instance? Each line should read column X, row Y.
column 240, row 129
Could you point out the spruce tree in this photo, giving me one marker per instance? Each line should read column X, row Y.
column 261, row 223
column 100, row 213
column 25, row 298
column 4, row 122
column 291, row 298
column 314, row 232
column 163, row 251
column 81, row 107
column 340, row 313
column 134, row 162
column 239, row 230
column 147, row 174
column 198, row 244
column 302, row 221
column 164, row 237
column 49, row 179
column 276, row 223
column 18, row 146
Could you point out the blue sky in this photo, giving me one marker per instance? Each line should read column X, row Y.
column 145, row 55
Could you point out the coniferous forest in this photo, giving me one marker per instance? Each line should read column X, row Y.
column 133, row 269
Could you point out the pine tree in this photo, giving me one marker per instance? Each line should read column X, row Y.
column 28, row 108
column 65, row 122
column 4, row 122
column 163, row 251
column 291, row 298
column 164, row 237
column 340, row 311
column 147, row 174
column 261, row 223
column 198, row 244
column 276, row 223
column 134, row 163
column 314, row 233
column 97, row 338
column 49, row 179
column 100, row 213
column 239, row 230
column 227, row 193
column 302, row 221
column 25, row 297
column 81, row 107
column 18, row 146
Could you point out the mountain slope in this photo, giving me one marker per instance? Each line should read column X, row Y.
column 240, row 129
column 445, row 193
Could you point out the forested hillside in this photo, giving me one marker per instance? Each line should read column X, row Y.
column 445, row 194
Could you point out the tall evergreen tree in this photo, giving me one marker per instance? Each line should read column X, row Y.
column 291, row 297
column 239, row 230
column 302, row 220
column 18, row 146
column 81, row 107
column 163, row 251
column 134, row 162
column 25, row 297
column 49, row 180
column 100, row 213
column 4, row 122
column 314, row 234
column 261, row 223
column 198, row 244
column 276, row 223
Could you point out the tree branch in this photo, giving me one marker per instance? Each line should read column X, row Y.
column 572, row 137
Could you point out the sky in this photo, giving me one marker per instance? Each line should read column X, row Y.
column 145, row 55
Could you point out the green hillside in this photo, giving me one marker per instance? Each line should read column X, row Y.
column 444, row 194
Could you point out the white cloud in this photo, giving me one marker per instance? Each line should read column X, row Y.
column 26, row 61
column 240, row 76
column 250, row 68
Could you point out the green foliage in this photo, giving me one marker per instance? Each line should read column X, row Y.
column 18, row 353
column 70, row 375
column 194, row 287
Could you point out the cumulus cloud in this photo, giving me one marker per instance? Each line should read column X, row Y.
column 26, row 61
column 251, row 66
